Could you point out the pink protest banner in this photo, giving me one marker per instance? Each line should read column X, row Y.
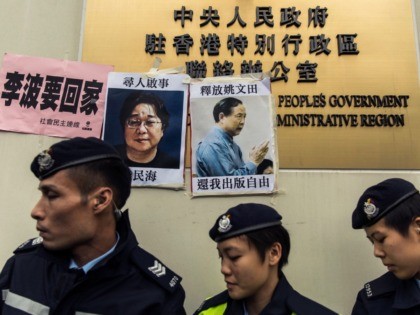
column 52, row 97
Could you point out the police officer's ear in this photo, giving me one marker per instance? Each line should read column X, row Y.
column 102, row 198
column 274, row 254
column 416, row 224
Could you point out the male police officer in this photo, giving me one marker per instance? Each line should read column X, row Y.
column 87, row 259
column 254, row 246
column 389, row 212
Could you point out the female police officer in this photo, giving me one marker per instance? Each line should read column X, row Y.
column 254, row 246
column 389, row 212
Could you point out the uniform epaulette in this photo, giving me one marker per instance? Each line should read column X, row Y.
column 29, row 245
column 384, row 284
column 156, row 270
column 216, row 300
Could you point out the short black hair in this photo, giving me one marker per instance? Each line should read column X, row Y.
column 402, row 216
column 263, row 165
column 263, row 239
column 140, row 97
column 112, row 173
column 225, row 106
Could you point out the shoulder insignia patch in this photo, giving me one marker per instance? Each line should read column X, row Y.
column 156, row 270
column 29, row 244
column 385, row 284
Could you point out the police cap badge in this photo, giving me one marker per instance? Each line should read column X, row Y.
column 70, row 153
column 380, row 199
column 242, row 219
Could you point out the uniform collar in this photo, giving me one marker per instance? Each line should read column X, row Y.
column 407, row 294
column 86, row 267
column 279, row 301
column 278, row 304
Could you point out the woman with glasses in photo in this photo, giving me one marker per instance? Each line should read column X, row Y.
column 144, row 120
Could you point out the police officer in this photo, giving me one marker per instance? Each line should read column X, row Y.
column 389, row 212
column 86, row 259
column 254, row 246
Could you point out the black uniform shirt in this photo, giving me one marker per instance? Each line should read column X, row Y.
column 388, row 295
column 128, row 281
column 285, row 301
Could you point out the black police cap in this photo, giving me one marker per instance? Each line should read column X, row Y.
column 69, row 153
column 380, row 199
column 242, row 219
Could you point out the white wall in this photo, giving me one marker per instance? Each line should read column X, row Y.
column 329, row 261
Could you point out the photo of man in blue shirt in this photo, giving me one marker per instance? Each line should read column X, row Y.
column 218, row 154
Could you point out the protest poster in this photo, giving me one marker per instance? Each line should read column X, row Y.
column 145, row 120
column 232, row 137
column 52, row 97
